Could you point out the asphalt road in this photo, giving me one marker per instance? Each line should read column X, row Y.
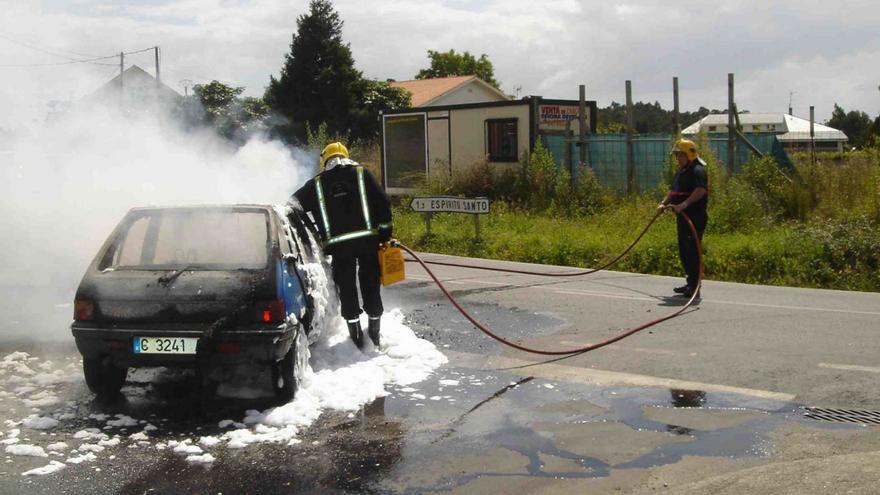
column 820, row 347
column 713, row 401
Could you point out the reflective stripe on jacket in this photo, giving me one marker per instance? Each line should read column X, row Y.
column 325, row 218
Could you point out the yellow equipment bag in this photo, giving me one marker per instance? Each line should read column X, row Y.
column 390, row 265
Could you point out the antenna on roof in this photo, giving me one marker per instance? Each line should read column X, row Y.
column 790, row 95
column 517, row 89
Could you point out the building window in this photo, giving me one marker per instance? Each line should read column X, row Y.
column 713, row 128
column 501, row 140
column 756, row 128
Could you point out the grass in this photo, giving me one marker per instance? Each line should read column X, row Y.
column 815, row 226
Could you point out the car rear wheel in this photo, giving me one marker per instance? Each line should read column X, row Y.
column 104, row 380
column 287, row 374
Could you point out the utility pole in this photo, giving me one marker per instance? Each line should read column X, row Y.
column 582, row 131
column 731, row 129
column 630, row 155
column 812, row 135
column 158, row 75
column 121, row 78
column 186, row 83
column 675, row 124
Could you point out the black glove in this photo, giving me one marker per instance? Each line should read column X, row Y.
column 384, row 234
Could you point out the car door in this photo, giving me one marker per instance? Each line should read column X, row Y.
column 294, row 284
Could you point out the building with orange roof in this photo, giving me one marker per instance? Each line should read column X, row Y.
column 450, row 91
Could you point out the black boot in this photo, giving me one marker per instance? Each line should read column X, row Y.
column 357, row 335
column 374, row 328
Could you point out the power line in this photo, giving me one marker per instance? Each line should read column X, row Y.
column 43, row 50
column 69, row 60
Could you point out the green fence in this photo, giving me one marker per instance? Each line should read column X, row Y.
column 606, row 154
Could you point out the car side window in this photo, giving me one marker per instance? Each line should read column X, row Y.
column 129, row 253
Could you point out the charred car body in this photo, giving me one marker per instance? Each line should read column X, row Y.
column 205, row 287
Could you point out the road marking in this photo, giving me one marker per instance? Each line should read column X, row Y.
column 577, row 292
column 572, row 292
column 794, row 308
column 594, row 376
column 648, row 350
column 610, row 295
column 849, row 367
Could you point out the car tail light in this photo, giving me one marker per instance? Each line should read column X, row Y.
column 269, row 311
column 228, row 347
column 83, row 310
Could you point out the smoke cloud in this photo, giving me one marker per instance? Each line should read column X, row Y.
column 68, row 182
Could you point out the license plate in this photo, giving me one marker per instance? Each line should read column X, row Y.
column 165, row 345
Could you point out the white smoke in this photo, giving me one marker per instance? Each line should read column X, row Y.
column 67, row 183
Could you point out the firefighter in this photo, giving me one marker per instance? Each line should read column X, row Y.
column 689, row 194
column 353, row 216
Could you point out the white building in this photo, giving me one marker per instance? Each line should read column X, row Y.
column 793, row 132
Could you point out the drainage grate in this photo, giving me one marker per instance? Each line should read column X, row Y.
column 843, row 415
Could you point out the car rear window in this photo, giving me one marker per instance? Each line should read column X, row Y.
column 211, row 239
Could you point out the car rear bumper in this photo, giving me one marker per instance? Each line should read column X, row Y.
column 229, row 347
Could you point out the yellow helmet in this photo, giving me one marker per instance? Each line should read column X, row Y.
column 331, row 150
column 687, row 147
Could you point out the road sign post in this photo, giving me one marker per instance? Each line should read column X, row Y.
column 450, row 204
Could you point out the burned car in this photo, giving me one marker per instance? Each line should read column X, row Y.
column 204, row 287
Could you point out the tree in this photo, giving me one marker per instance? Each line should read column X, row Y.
column 375, row 96
column 855, row 124
column 446, row 64
column 318, row 82
column 220, row 106
column 647, row 118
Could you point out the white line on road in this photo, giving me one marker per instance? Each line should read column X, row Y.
column 602, row 377
column 609, row 295
column 849, row 367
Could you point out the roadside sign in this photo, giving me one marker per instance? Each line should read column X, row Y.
column 449, row 204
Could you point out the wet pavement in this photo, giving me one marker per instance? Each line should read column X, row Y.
column 483, row 423
column 464, row 429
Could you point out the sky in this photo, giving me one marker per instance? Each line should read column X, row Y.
column 812, row 52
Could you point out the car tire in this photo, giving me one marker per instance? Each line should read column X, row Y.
column 287, row 374
column 104, row 380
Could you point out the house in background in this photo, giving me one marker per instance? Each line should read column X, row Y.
column 450, row 91
column 458, row 122
column 135, row 91
column 792, row 132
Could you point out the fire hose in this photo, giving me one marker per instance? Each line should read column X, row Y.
column 578, row 350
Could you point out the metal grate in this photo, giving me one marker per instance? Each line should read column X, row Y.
column 843, row 415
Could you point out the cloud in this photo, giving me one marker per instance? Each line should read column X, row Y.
column 820, row 50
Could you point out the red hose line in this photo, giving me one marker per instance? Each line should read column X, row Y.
column 622, row 335
column 604, row 266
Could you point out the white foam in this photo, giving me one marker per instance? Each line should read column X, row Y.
column 36, row 422
column 122, row 421
column 87, row 457
column 113, row 442
column 209, row 441
column 26, row 450
column 201, row 459
column 449, row 383
column 50, row 468
column 343, row 378
column 57, row 446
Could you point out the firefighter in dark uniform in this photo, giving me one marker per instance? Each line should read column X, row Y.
column 353, row 216
column 689, row 194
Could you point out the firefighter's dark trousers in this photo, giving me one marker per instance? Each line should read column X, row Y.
column 687, row 248
column 355, row 262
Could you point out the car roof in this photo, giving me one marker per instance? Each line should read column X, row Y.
column 195, row 208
